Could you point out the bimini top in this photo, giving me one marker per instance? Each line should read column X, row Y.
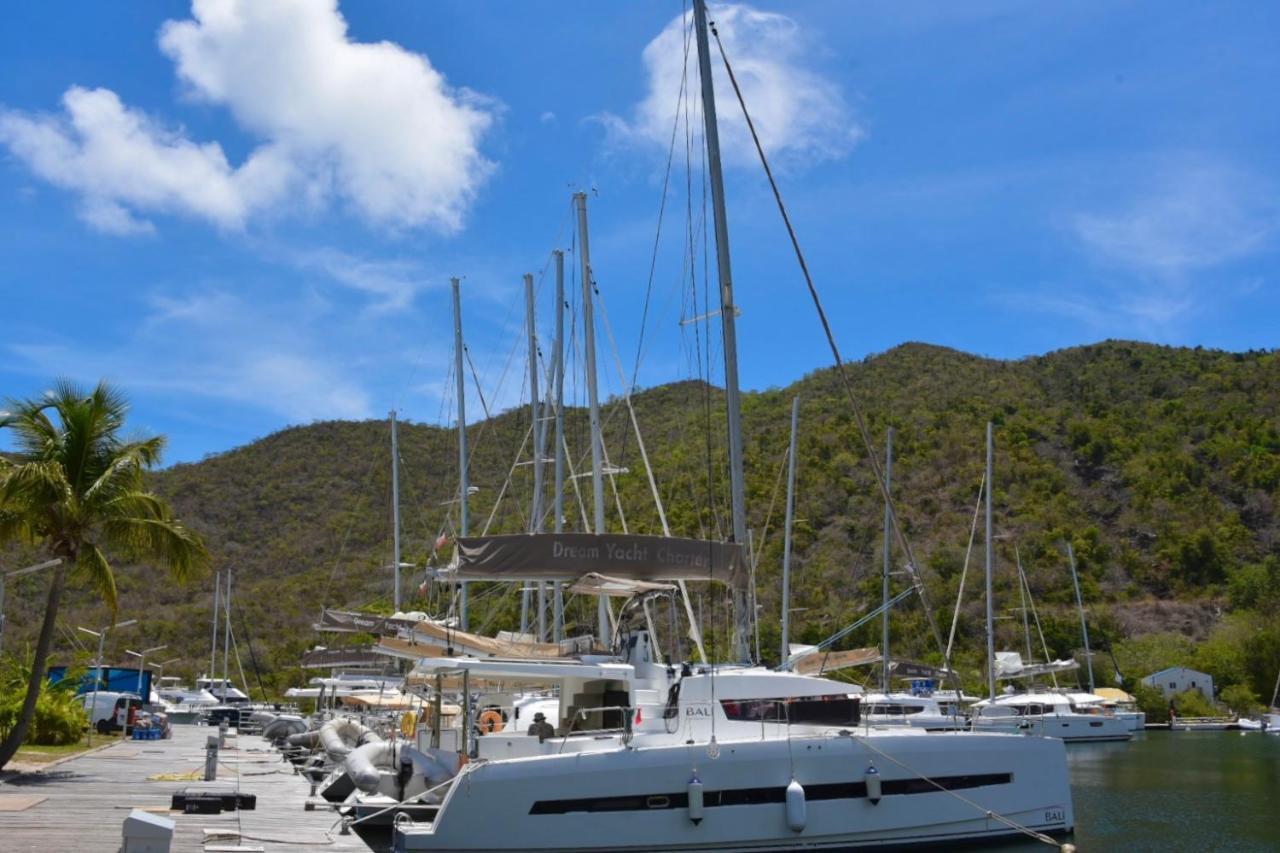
column 569, row 556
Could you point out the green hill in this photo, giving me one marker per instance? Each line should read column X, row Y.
column 1160, row 464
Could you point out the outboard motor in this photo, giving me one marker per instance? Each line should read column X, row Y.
column 403, row 774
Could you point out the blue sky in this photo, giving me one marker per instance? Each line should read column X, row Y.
column 247, row 214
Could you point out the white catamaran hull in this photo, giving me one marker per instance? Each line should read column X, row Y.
column 639, row 798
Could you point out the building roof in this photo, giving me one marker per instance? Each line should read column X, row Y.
column 1179, row 668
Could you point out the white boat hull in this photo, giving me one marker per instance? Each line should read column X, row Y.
column 637, row 798
column 1072, row 728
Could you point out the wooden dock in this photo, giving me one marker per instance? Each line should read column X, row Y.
column 81, row 804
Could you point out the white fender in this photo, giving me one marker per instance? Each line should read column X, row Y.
column 872, row 778
column 695, row 800
column 797, row 811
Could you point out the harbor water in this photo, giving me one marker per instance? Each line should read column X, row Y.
column 1175, row 791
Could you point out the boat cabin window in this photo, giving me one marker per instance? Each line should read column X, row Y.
column 895, row 710
column 832, row 710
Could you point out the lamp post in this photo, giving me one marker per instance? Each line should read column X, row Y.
column 102, row 639
column 48, row 564
column 142, row 658
column 160, row 668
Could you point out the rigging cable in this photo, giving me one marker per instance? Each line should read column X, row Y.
column 973, row 532
column 872, row 459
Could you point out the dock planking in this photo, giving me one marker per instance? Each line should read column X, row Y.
column 81, row 804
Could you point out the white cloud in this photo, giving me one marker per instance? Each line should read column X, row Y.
column 393, row 284
column 800, row 115
column 120, row 161
column 373, row 125
column 1195, row 216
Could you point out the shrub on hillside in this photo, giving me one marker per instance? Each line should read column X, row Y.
column 1240, row 699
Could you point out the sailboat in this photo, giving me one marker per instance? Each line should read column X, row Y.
column 1043, row 713
column 644, row 754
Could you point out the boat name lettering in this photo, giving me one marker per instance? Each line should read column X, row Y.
column 633, row 554
column 697, row 711
column 666, row 556
column 1054, row 815
column 575, row 552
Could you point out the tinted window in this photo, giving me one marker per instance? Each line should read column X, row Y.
column 832, row 710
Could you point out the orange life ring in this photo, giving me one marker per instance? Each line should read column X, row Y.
column 490, row 721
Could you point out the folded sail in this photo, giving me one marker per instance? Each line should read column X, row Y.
column 569, row 556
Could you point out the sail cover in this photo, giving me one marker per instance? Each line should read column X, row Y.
column 348, row 622
column 569, row 556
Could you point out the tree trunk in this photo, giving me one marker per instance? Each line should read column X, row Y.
column 19, row 732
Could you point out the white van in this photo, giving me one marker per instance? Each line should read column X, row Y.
column 108, row 711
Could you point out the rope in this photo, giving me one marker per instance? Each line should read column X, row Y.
column 1009, row 822
column 662, row 207
column 840, row 364
column 227, row 835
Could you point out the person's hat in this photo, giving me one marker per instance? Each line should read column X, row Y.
column 539, row 717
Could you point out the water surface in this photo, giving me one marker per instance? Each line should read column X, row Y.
column 1175, row 791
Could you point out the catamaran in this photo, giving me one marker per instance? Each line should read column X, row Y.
column 650, row 755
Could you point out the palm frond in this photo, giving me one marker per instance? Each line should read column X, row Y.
column 124, row 472
column 160, row 539
column 93, row 566
column 29, row 485
column 34, row 434
column 14, row 526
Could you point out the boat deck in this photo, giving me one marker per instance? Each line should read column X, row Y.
column 81, row 804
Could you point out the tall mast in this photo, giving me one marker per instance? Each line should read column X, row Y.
column 558, row 372
column 464, row 486
column 991, row 638
column 884, row 571
column 226, row 636
column 213, row 641
column 535, row 511
column 597, row 441
column 1084, row 625
column 395, row 513
column 786, row 536
column 741, row 596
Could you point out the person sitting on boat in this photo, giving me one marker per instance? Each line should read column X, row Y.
column 540, row 728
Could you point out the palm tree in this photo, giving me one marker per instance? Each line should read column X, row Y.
column 74, row 487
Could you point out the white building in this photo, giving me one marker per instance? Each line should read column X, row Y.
column 1179, row 679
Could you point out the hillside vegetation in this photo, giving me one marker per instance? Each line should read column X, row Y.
column 1161, row 465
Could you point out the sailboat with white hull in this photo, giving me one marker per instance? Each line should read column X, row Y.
column 647, row 755
column 1040, row 713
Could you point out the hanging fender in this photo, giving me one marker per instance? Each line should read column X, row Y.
column 797, row 811
column 695, row 800
column 872, row 778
